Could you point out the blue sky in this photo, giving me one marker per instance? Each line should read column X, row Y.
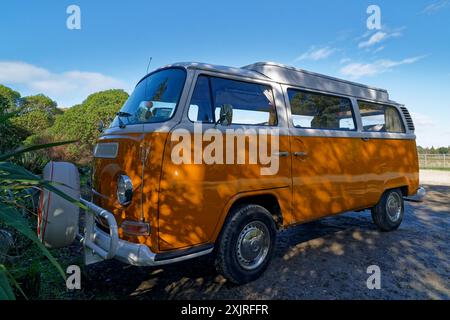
column 409, row 56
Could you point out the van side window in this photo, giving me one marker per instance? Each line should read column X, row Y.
column 200, row 108
column 380, row 118
column 252, row 103
column 318, row 111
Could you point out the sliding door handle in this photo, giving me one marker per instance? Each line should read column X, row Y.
column 300, row 154
column 281, row 154
column 365, row 139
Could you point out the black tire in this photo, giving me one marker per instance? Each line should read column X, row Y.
column 228, row 258
column 383, row 214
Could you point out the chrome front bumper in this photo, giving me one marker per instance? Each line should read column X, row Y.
column 100, row 246
column 419, row 196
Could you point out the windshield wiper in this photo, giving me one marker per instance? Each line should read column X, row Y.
column 121, row 114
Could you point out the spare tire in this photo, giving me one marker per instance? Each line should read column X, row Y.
column 57, row 217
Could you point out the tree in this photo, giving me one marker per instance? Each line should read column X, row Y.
column 10, row 134
column 34, row 122
column 81, row 121
column 39, row 102
column 4, row 103
column 11, row 97
column 36, row 114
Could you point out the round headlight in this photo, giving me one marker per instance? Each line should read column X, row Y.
column 124, row 190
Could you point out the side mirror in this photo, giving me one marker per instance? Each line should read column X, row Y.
column 226, row 115
column 101, row 126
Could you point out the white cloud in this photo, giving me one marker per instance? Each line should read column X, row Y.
column 378, row 37
column 422, row 120
column 379, row 49
column 19, row 72
column 62, row 87
column 357, row 70
column 436, row 6
column 374, row 39
column 316, row 54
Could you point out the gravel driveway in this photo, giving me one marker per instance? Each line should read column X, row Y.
column 326, row 259
column 435, row 177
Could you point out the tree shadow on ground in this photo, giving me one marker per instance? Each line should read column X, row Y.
column 324, row 259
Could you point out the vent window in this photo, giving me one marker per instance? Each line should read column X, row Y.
column 409, row 121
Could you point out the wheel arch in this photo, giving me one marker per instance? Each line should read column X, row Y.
column 266, row 199
column 404, row 189
column 403, row 183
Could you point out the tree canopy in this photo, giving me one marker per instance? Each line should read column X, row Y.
column 10, row 99
column 34, row 122
column 80, row 122
column 39, row 102
column 37, row 118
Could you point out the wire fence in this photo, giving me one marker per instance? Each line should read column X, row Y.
column 428, row 161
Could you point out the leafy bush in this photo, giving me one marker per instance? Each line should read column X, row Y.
column 35, row 161
column 39, row 102
column 33, row 122
column 80, row 122
column 13, row 181
column 10, row 134
column 11, row 100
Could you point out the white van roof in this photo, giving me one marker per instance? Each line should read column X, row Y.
column 315, row 81
column 296, row 77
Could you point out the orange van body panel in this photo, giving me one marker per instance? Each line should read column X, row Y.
column 343, row 174
column 187, row 204
column 393, row 164
column 144, row 205
column 194, row 198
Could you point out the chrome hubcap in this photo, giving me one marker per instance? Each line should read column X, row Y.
column 253, row 245
column 394, row 206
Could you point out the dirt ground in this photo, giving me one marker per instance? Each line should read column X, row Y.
column 435, row 177
column 326, row 259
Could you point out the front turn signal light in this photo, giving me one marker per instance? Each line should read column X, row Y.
column 135, row 228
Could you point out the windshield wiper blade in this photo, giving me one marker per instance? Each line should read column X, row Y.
column 121, row 114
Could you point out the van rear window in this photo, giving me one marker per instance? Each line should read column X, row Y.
column 318, row 111
column 380, row 118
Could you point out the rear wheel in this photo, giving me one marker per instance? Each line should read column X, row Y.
column 246, row 244
column 388, row 213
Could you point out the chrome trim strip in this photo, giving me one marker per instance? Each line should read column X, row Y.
column 298, row 132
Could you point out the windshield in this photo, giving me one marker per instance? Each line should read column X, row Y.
column 154, row 99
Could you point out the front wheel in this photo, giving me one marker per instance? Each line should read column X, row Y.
column 246, row 244
column 388, row 213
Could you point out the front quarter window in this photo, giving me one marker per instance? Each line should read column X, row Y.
column 154, row 99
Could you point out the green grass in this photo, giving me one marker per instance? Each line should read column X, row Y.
column 38, row 278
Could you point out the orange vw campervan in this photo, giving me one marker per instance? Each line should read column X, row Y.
column 208, row 159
